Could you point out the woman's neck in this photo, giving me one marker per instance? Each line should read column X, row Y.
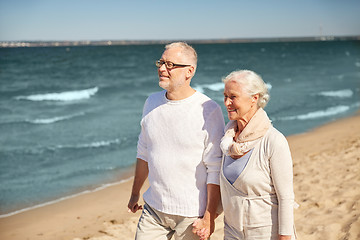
column 242, row 122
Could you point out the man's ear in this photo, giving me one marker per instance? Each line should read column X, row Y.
column 190, row 72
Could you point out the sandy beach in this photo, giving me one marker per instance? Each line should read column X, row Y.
column 326, row 181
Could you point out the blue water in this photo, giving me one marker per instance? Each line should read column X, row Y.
column 69, row 116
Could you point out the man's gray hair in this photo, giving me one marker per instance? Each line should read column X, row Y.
column 185, row 49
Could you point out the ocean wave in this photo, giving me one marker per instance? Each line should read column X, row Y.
column 41, row 150
column 96, row 144
column 345, row 93
column 62, row 96
column 214, row 87
column 219, row 86
column 53, row 120
column 317, row 114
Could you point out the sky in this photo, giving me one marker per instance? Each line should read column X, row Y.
column 80, row 20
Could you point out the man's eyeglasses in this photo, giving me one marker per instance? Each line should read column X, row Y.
column 168, row 64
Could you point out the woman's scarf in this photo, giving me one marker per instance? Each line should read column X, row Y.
column 250, row 135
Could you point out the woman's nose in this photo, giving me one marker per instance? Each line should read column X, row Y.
column 226, row 102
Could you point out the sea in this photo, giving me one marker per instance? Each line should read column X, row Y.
column 69, row 116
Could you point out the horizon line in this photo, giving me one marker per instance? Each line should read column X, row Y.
column 108, row 42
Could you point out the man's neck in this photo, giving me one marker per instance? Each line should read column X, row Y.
column 180, row 94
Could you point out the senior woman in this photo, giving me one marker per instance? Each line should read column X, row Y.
column 256, row 179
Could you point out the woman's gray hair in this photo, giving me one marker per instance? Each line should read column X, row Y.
column 187, row 50
column 252, row 83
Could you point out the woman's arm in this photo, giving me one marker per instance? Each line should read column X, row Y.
column 282, row 176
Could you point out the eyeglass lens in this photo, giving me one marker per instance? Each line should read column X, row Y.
column 168, row 64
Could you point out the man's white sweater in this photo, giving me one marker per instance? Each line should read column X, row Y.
column 180, row 142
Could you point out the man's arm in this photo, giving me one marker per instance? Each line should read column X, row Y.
column 205, row 226
column 141, row 173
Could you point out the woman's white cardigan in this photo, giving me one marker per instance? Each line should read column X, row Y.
column 263, row 193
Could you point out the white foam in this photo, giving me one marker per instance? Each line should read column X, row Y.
column 269, row 86
column 318, row 114
column 345, row 93
column 214, row 87
column 98, row 144
column 199, row 88
column 92, row 144
column 219, row 86
column 62, row 96
column 54, row 119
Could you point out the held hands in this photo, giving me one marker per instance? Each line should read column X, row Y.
column 133, row 205
column 284, row 237
column 203, row 228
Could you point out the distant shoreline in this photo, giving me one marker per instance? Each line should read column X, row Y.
column 16, row 44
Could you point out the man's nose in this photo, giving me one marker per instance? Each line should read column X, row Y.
column 162, row 67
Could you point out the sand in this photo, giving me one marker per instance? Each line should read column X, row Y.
column 326, row 182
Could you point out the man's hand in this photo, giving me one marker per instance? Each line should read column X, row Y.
column 141, row 173
column 133, row 205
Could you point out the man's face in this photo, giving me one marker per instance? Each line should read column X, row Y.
column 171, row 79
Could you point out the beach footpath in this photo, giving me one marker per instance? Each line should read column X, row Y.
column 326, row 183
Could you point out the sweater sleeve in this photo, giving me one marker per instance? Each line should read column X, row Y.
column 141, row 144
column 282, row 176
column 212, row 153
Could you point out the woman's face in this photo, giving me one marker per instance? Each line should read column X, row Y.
column 239, row 105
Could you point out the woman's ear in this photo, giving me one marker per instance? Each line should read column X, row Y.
column 255, row 97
